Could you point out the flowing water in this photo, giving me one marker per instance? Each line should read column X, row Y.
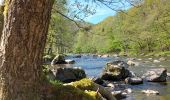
column 93, row 67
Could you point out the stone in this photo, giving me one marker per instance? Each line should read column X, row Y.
column 128, row 90
column 162, row 59
column 156, row 75
column 98, row 81
column 115, row 71
column 69, row 61
column 134, row 80
column 69, row 74
column 105, row 56
column 131, row 63
column 110, row 85
column 150, row 92
column 59, row 59
column 156, row 61
column 150, row 58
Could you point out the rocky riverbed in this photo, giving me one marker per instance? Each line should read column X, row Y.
column 139, row 78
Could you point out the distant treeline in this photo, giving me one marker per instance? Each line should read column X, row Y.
column 144, row 28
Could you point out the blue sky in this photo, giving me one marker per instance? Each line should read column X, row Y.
column 102, row 12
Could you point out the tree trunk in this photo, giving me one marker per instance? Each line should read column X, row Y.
column 21, row 48
column 1, row 19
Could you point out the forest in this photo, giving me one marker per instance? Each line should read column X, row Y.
column 138, row 30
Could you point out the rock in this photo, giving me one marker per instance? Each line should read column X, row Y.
column 59, row 59
column 68, row 74
column 168, row 74
column 77, row 56
column 128, row 90
column 94, row 56
column 105, row 56
column 132, row 74
column 134, row 80
column 115, row 71
column 150, row 92
column 156, row 61
column 99, row 55
column 119, row 63
column 119, row 95
column 98, row 81
column 139, row 59
column 69, row 61
column 115, row 55
column 162, row 59
column 156, row 75
column 110, row 85
column 131, row 63
column 150, row 58
column 116, row 93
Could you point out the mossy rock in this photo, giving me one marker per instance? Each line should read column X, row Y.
column 68, row 92
column 84, row 84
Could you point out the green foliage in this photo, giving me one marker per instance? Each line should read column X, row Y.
column 56, row 82
column 141, row 29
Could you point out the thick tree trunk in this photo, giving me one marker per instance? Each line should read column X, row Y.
column 1, row 19
column 21, row 47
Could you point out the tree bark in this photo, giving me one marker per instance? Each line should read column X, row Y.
column 21, row 48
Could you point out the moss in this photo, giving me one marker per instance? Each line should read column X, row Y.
column 6, row 7
column 70, row 92
column 84, row 84
column 94, row 95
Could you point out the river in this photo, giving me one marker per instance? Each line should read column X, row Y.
column 93, row 67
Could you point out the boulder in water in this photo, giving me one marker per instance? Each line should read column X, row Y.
column 134, row 80
column 115, row 71
column 156, row 75
column 69, row 74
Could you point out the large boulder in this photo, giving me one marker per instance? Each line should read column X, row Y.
column 156, row 75
column 69, row 74
column 59, row 59
column 115, row 71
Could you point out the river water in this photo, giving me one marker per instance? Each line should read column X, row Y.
column 93, row 67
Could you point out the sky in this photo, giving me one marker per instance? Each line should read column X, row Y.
column 102, row 12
